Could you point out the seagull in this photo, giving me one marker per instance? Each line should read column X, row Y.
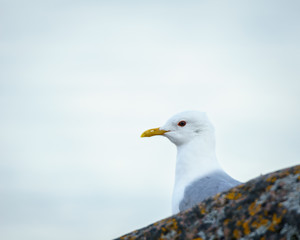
column 198, row 174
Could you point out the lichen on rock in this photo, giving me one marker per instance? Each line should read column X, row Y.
column 267, row 207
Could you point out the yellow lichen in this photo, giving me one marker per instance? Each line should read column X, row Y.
column 253, row 208
column 175, row 223
column 269, row 187
column 239, row 223
column 197, row 238
column 262, row 238
column 170, row 224
column 271, row 179
column 284, row 211
column 284, row 173
column 130, row 237
column 237, row 233
column 226, row 221
column 246, row 227
column 259, row 222
column 275, row 221
column 217, row 196
column 233, row 195
column 202, row 209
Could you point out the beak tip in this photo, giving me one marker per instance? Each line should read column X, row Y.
column 153, row 132
column 144, row 134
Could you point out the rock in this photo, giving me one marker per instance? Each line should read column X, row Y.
column 267, row 207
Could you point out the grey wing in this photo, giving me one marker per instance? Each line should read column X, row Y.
column 205, row 187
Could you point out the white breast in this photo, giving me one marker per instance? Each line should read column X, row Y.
column 194, row 160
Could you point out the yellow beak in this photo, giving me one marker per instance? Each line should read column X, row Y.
column 153, row 132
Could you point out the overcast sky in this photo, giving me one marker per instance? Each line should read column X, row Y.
column 81, row 80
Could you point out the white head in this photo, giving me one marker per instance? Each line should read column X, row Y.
column 183, row 127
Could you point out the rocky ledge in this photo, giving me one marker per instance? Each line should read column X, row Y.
column 267, row 207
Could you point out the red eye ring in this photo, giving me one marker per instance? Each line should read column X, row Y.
column 181, row 123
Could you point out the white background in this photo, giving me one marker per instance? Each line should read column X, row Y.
column 81, row 80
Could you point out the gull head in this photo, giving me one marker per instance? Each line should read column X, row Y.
column 183, row 127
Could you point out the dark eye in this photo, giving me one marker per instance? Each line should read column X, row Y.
column 181, row 123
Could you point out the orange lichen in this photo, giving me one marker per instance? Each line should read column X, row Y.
column 202, row 209
column 284, row 174
column 237, row 233
column 175, row 223
column 269, row 187
column 259, row 222
column 197, row 238
column 226, row 221
column 262, row 238
column 130, row 238
column 239, row 223
column 284, row 211
column 275, row 221
column 246, row 227
column 253, row 208
column 170, row 225
column 233, row 195
column 216, row 196
column 271, row 179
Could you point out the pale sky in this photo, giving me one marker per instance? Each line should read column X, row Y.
column 81, row 80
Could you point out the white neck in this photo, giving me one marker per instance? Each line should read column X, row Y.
column 195, row 159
